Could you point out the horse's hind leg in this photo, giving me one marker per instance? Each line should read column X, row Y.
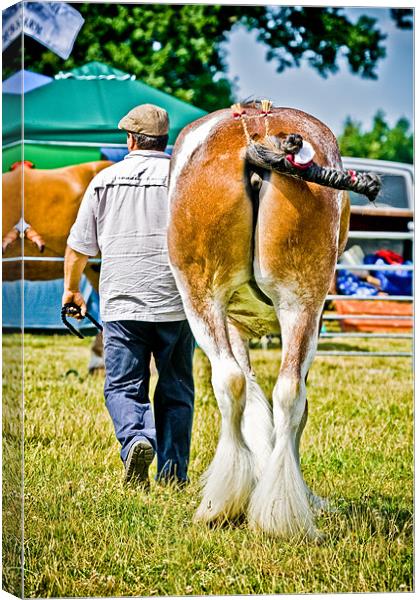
column 280, row 502
column 229, row 480
column 257, row 423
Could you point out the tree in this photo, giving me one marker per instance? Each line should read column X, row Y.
column 179, row 48
column 382, row 142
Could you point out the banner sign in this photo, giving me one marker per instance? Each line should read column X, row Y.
column 12, row 24
column 53, row 24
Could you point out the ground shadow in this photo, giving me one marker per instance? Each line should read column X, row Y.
column 322, row 345
column 374, row 515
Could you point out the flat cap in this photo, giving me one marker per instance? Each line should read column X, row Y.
column 146, row 118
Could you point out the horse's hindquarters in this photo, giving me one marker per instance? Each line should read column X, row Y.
column 292, row 254
column 296, row 239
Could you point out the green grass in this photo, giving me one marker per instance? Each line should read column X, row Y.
column 87, row 535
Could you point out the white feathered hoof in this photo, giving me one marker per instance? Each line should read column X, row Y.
column 228, row 484
column 279, row 504
column 279, row 521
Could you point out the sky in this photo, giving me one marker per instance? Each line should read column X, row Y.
column 339, row 96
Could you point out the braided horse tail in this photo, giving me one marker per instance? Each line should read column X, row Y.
column 279, row 157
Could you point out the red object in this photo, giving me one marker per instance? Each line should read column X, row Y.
column 23, row 163
column 375, row 307
column 352, row 174
column 303, row 167
column 390, row 257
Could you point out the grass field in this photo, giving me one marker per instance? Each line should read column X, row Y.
column 87, row 535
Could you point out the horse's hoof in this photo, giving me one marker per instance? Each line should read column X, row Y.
column 299, row 534
column 99, row 371
column 204, row 518
column 211, row 514
column 96, row 364
column 206, row 513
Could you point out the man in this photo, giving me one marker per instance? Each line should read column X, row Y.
column 124, row 214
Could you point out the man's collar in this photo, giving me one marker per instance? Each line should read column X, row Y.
column 151, row 153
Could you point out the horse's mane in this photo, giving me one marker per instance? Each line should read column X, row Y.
column 251, row 102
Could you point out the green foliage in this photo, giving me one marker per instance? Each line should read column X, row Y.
column 320, row 35
column 382, row 141
column 180, row 48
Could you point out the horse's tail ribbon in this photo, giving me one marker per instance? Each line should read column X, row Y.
column 281, row 159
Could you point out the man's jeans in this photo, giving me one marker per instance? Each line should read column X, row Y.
column 128, row 348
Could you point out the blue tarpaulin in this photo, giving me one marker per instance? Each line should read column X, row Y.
column 398, row 282
column 117, row 154
column 114, row 154
column 42, row 304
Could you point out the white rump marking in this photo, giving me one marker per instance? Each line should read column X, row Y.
column 192, row 140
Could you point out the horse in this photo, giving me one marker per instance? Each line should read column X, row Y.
column 253, row 237
column 51, row 201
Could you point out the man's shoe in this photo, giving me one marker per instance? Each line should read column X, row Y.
column 138, row 462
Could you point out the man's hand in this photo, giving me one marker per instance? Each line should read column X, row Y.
column 75, row 298
column 74, row 263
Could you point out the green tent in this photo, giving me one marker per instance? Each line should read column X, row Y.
column 68, row 120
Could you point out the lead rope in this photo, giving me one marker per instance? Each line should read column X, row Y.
column 70, row 309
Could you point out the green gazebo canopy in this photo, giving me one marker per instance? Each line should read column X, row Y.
column 85, row 105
